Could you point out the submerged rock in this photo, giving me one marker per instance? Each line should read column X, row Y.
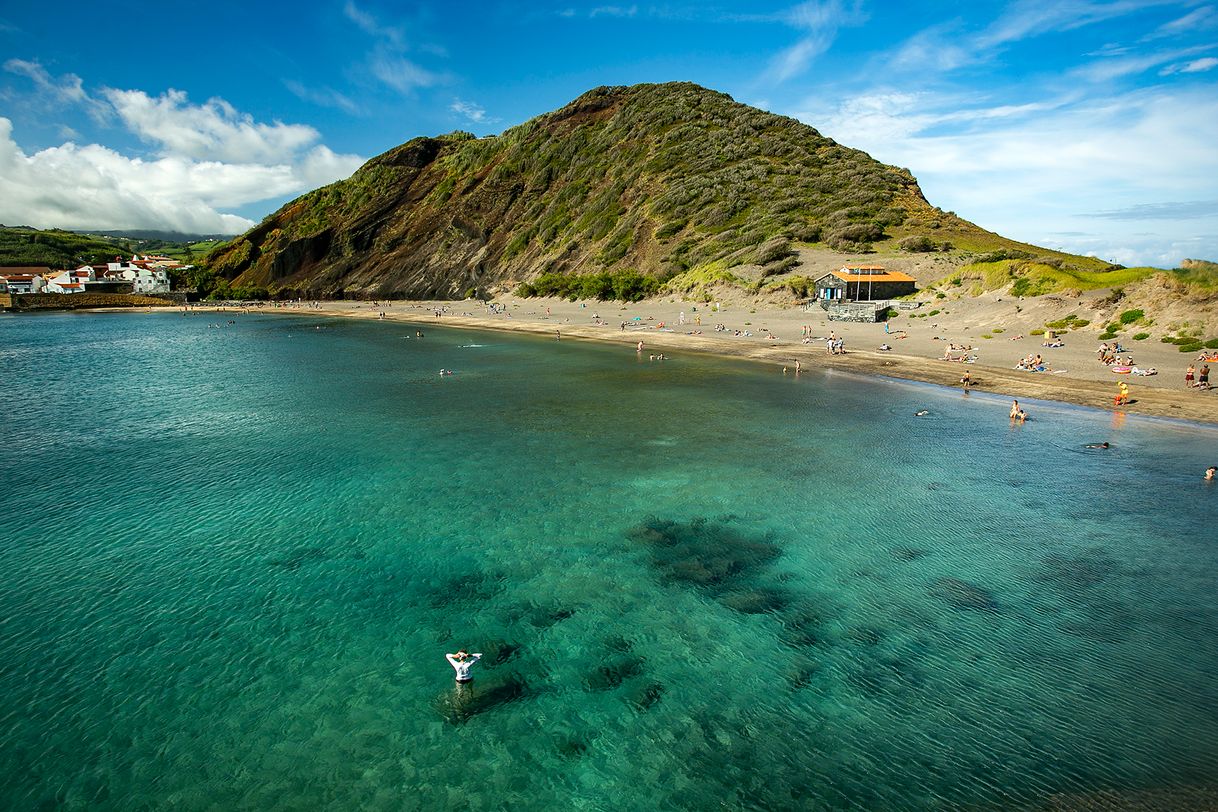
column 961, row 594
column 462, row 702
column 612, row 674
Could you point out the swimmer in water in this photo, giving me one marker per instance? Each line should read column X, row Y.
column 1210, row 473
column 922, row 413
column 1097, row 445
column 462, row 662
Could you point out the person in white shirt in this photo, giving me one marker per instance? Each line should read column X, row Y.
column 462, row 662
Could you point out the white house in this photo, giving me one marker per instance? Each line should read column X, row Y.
column 70, row 281
column 22, row 283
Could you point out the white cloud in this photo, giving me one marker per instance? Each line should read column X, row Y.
column 1196, row 66
column 614, row 11
column 368, row 23
column 474, row 112
column 211, row 158
column 400, row 73
column 211, row 131
column 68, row 88
column 1196, row 20
column 322, row 97
column 820, row 21
column 1030, row 172
column 1105, row 70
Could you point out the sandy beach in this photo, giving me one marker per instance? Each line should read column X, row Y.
column 918, row 345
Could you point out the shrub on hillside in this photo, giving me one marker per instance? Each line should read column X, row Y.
column 917, row 245
column 1130, row 316
column 845, row 238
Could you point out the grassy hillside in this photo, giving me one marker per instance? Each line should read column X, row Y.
column 663, row 180
column 55, row 248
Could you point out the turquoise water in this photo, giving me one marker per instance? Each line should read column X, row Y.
column 232, row 558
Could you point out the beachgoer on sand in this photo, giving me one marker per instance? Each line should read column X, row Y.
column 462, row 662
column 1203, row 377
column 1188, row 376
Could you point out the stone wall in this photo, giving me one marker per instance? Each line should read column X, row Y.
column 78, row 301
column 855, row 311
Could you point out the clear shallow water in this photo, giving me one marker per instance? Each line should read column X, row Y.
column 231, row 561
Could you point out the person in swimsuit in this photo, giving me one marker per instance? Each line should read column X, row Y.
column 1188, row 376
column 1203, row 377
column 462, row 662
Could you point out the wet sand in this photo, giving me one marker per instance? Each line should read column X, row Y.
column 1078, row 376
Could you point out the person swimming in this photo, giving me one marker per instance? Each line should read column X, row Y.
column 462, row 662
column 1210, row 473
column 922, row 413
column 1097, row 445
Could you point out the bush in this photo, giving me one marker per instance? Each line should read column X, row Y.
column 917, row 245
column 1141, row 336
column 1212, row 344
column 1037, row 332
column 847, row 237
column 1192, row 347
column 1130, row 316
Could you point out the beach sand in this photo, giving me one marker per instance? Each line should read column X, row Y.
column 1078, row 377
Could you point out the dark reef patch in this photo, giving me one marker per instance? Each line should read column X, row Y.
column 470, row 587
column 298, row 557
column 1074, row 572
column 960, row 594
column 610, row 675
column 644, row 696
column 463, row 702
column 706, row 555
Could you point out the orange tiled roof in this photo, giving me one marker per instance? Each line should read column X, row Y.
column 881, row 276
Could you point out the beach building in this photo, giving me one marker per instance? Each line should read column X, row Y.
column 862, row 283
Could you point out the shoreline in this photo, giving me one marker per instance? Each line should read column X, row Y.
column 1151, row 397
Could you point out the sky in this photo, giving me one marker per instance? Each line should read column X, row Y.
column 1071, row 124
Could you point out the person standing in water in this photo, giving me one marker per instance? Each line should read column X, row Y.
column 462, row 662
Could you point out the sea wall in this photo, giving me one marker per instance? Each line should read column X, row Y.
column 82, row 301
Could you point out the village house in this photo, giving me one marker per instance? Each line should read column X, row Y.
column 23, row 279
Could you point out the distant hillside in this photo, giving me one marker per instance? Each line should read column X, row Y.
column 54, row 248
column 674, row 181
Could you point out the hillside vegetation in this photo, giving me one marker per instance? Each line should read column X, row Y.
column 57, row 249
column 673, row 182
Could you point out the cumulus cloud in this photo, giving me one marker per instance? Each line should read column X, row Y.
column 209, row 158
column 210, row 131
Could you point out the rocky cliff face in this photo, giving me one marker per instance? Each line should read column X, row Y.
column 663, row 179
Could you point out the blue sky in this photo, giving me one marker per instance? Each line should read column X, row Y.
column 1087, row 126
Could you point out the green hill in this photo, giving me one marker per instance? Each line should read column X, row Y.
column 55, row 248
column 674, row 182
